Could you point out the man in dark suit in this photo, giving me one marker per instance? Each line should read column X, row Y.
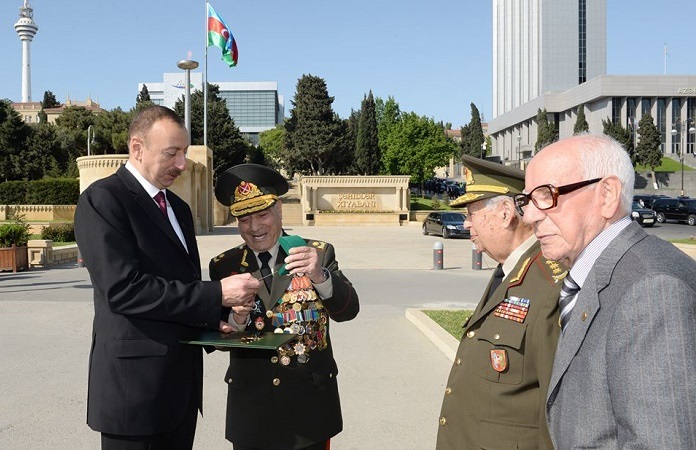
column 625, row 369
column 495, row 392
column 286, row 399
column 138, row 244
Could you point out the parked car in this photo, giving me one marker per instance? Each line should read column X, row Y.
column 645, row 217
column 646, row 200
column 683, row 210
column 446, row 224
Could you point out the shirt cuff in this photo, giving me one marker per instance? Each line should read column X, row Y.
column 325, row 288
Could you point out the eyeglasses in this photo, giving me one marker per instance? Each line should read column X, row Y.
column 546, row 196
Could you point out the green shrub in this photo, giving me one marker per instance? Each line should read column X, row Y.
column 14, row 233
column 13, row 192
column 53, row 191
column 49, row 191
column 436, row 204
column 60, row 233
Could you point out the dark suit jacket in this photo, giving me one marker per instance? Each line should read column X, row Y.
column 625, row 368
column 487, row 409
column 272, row 406
column 147, row 296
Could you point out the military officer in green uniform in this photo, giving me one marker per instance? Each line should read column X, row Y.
column 494, row 398
column 286, row 398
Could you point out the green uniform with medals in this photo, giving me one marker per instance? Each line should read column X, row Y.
column 286, row 399
column 495, row 393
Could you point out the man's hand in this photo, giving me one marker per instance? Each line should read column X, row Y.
column 239, row 289
column 305, row 260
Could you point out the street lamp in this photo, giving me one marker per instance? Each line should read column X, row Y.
column 187, row 65
column 678, row 128
column 92, row 140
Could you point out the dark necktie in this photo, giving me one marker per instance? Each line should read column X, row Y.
column 565, row 302
column 161, row 202
column 498, row 276
column 265, row 257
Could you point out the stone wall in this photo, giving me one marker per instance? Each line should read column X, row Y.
column 342, row 200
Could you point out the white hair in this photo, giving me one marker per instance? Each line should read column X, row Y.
column 602, row 156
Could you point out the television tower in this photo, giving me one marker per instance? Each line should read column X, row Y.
column 26, row 28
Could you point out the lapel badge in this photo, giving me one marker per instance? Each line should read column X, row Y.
column 499, row 359
column 319, row 245
column 244, row 261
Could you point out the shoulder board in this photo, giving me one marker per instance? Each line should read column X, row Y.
column 319, row 245
column 232, row 253
column 558, row 272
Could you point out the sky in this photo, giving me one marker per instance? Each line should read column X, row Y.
column 433, row 57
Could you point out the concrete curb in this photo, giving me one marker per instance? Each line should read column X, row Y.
column 437, row 335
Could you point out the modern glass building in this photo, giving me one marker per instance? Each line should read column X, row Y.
column 551, row 54
column 255, row 106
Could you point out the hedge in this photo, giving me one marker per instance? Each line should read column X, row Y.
column 48, row 191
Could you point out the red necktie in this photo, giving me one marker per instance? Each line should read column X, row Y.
column 162, row 202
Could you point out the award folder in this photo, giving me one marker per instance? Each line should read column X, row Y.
column 247, row 339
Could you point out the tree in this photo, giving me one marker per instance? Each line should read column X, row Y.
column 43, row 153
column 622, row 135
column 143, row 95
column 388, row 115
column 313, row 131
column 415, row 147
column 111, row 132
column 472, row 136
column 367, row 153
column 271, row 142
column 546, row 131
column 224, row 138
column 581, row 125
column 49, row 101
column 648, row 149
column 74, row 121
column 13, row 134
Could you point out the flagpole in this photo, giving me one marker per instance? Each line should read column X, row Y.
column 205, row 81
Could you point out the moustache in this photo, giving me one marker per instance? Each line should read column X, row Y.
column 174, row 173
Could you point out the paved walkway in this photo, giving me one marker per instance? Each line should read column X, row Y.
column 391, row 375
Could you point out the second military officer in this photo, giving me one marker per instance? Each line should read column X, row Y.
column 496, row 389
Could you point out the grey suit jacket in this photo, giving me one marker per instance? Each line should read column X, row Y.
column 624, row 375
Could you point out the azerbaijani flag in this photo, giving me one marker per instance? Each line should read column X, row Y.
column 219, row 35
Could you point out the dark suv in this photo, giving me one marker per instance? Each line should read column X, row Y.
column 681, row 209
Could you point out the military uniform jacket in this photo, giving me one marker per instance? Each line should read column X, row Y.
column 272, row 406
column 495, row 393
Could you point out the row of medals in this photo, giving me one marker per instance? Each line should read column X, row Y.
column 300, row 312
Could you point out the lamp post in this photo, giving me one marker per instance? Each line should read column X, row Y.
column 90, row 140
column 187, row 65
column 678, row 127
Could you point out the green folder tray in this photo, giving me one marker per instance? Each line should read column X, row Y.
column 266, row 341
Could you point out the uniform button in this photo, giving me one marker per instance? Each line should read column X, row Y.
column 274, row 359
column 448, row 390
column 470, row 334
column 229, row 380
column 496, row 336
column 443, row 421
column 583, row 316
column 276, row 382
column 458, row 362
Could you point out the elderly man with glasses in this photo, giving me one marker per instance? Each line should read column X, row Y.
column 624, row 375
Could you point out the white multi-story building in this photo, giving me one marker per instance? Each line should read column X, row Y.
column 551, row 54
column 255, row 106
